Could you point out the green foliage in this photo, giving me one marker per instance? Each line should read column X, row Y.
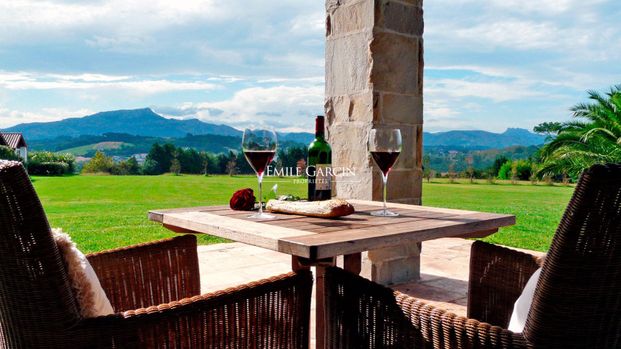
column 7, row 153
column 505, row 170
column 48, row 169
column 100, row 163
column 128, row 167
column 515, row 170
column 594, row 137
column 45, row 163
column 498, row 162
column 150, row 167
column 175, row 167
column 548, row 128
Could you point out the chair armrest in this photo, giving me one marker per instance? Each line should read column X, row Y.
column 363, row 314
column 148, row 274
column 447, row 330
column 497, row 277
column 271, row 313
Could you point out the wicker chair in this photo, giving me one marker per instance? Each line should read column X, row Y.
column 577, row 303
column 153, row 287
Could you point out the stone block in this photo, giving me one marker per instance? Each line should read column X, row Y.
column 360, row 107
column 396, row 271
column 401, row 109
column 404, row 185
column 359, row 186
column 348, row 64
column 393, row 253
column 395, row 59
column 349, row 17
column 349, row 145
column 399, row 17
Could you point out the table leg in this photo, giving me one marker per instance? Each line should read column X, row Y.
column 353, row 263
column 320, row 304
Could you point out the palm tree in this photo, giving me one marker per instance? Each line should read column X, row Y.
column 595, row 137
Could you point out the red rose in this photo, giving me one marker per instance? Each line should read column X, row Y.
column 243, row 200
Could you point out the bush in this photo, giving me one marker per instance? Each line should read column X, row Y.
column 7, row 153
column 38, row 158
column 128, row 167
column 150, row 168
column 100, row 163
column 48, row 168
column 522, row 168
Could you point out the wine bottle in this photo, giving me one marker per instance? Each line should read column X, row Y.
column 319, row 163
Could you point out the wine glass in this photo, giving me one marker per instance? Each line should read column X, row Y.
column 259, row 147
column 385, row 147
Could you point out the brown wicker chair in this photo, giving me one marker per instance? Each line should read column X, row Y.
column 577, row 303
column 159, row 281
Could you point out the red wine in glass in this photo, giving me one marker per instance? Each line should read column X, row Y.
column 259, row 159
column 385, row 160
column 385, row 146
column 259, row 147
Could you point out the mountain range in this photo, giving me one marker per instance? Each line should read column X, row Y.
column 146, row 123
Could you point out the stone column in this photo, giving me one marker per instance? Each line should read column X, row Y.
column 374, row 77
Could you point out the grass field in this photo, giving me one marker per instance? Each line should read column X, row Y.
column 102, row 212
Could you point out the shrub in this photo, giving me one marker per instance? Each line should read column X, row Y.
column 100, row 163
column 48, row 168
column 7, row 153
column 126, row 168
column 150, row 168
column 37, row 158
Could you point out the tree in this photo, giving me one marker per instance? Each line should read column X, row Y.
column 126, row 168
column 100, row 163
column 548, row 128
column 163, row 156
column 470, row 168
column 594, row 137
column 231, row 167
column 427, row 167
column 7, row 153
column 498, row 162
column 175, row 167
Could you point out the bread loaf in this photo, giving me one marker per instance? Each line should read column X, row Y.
column 325, row 209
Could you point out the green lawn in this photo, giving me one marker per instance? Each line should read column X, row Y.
column 538, row 208
column 102, row 212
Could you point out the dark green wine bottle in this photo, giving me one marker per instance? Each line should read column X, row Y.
column 319, row 165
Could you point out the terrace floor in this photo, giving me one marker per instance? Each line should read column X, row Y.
column 444, row 270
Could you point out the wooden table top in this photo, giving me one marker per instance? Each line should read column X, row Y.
column 316, row 238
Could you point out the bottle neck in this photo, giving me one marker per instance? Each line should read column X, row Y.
column 320, row 128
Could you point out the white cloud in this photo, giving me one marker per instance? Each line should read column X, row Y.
column 10, row 117
column 88, row 81
column 285, row 108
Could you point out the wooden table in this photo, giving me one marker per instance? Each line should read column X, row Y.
column 317, row 242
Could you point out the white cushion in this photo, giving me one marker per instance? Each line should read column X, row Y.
column 523, row 303
column 88, row 291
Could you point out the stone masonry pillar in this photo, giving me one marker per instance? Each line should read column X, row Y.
column 374, row 77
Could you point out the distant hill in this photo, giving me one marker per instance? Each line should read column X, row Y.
column 141, row 122
column 76, row 132
column 483, row 139
column 124, row 145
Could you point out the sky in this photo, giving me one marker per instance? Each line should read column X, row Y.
column 489, row 64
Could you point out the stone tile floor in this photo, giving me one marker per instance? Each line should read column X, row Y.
column 444, row 270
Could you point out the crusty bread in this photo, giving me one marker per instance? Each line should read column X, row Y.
column 325, row 209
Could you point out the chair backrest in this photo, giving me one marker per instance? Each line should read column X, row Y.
column 36, row 301
column 577, row 303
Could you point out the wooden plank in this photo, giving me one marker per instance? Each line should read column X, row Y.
column 410, row 207
column 249, row 232
column 157, row 215
column 358, row 240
